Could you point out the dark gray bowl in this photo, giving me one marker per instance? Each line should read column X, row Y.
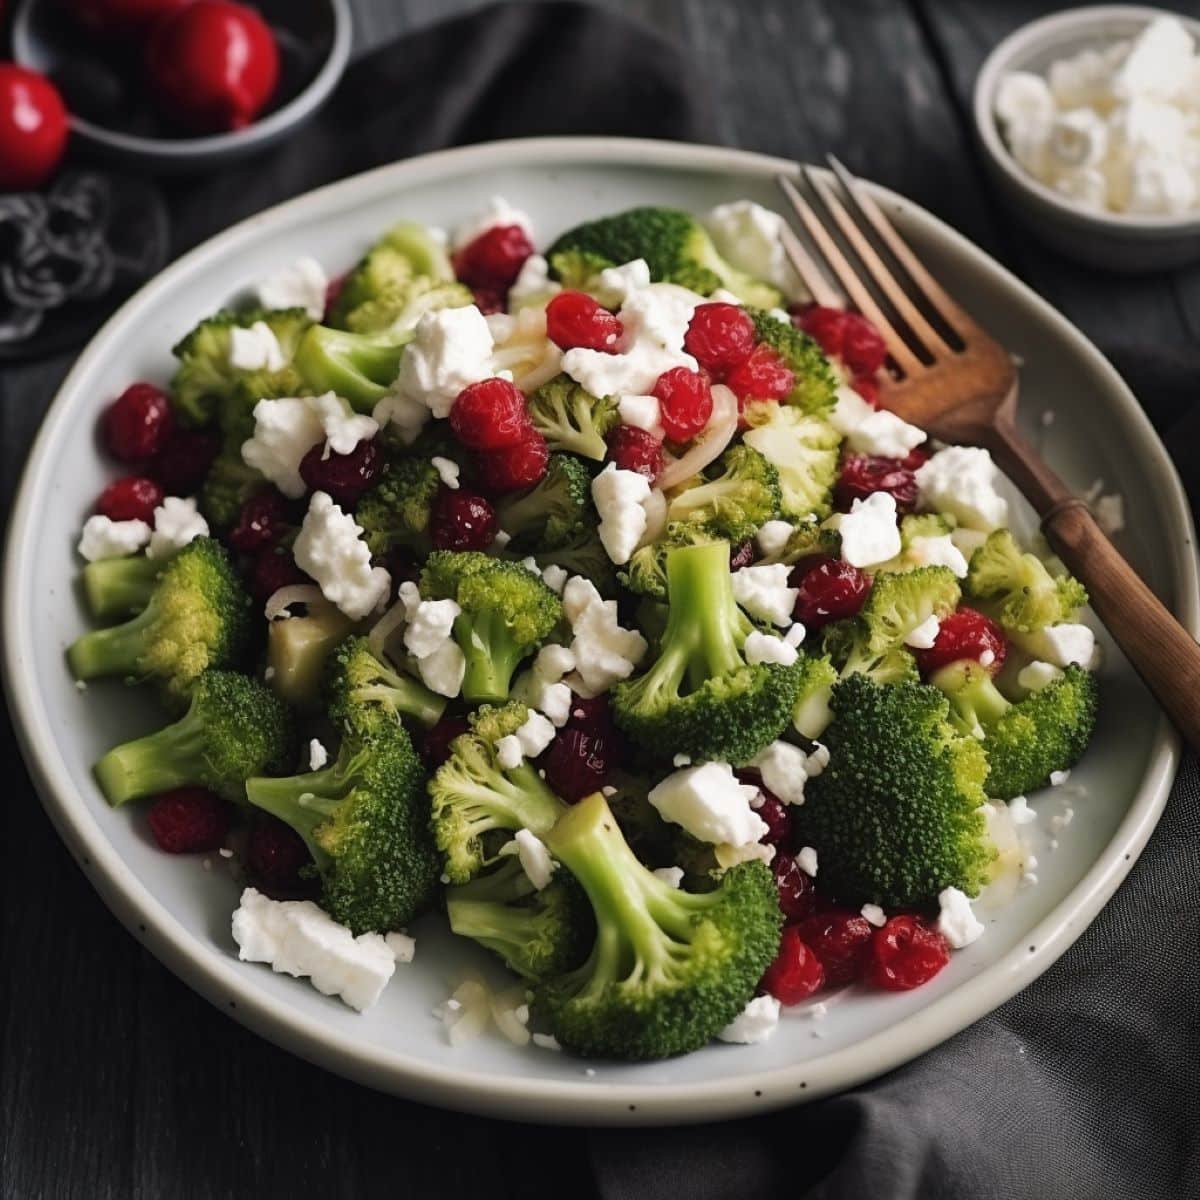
column 314, row 43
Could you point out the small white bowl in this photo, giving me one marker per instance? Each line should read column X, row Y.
column 1108, row 240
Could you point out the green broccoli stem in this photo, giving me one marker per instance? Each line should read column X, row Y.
column 403, row 696
column 503, row 928
column 358, row 366
column 120, row 587
column 704, row 622
column 114, row 651
column 976, row 703
column 492, row 657
column 155, row 763
column 305, row 802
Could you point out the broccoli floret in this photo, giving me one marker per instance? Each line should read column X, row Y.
column 646, row 571
column 701, row 697
column 364, row 820
column 557, row 510
column 473, row 796
column 359, row 367
column 669, row 968
column 537, row 934
column 848, row 645
column 803, row 449
column 815, row 389
column 197, row 617
column 395, row 511
column 1024, row 742
column 739, row 496
column 674, row 244
column 811, row 714
column 807, row 540
column 896, row 815
column 120, row 587
column 1027, row 596
column 507, row 613
column 924, row 525
column 570, row 418
column 366, row 694
column 398, row 312
column 205, row 377
column 234, row 728
column 583, row 555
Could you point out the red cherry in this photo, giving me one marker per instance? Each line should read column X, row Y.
column 796, row 972
column 435, row 745
column 494, row 259
column 826, row 326
column 905, row 953
column 720, row 337
column 188, row 819
column 763, row 376
column 634, row 449
column 515, row 467
column 461, row 520
column 863, row 474
column 863, row 349
column 796, row 897
column 33, row 129
column 213, row 64
column 574, row 319
column 274, row 569
column 263, row 520
column 121, row 18
column 276, row 855
column 136, row 425
column 344, row 476
column 133, row 498
column 684, row 402
column 840, row 939
column 829, row 590
column 183, row 462
column 965, row 634
column 490, row 415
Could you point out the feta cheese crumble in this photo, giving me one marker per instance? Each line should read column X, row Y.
column 534, row 858
column 806, row 860
column 672, row 876
column 868, row 531
column 750, row 237
column 301, row 285
column 785, row 769
column 957, row 922
column 329, row 547
column 447, row 471
column 773, row 537
column 939, row 551
column 755, row 1023
column 767, row 648
column 603, row 650
column 1037, row 675
column 885, row 434
column 318, row 756
column 1021, row 813
column 451, row 349
column 1061, row 645
column 620, row 498
column 642, row 412
column 176, row 523
column 924, row 635
column 961, row 481
column 710, row 804
column 103, row 538
column 873, row 915
column 255, row 348
column 764, row 593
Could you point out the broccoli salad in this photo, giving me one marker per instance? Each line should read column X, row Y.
column 591, row 602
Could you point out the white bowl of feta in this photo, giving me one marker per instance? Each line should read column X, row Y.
column 1090, row 126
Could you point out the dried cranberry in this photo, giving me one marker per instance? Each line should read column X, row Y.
column 514, row 467
column 915, row 459
column 263, row 520
column 965, row 634
column 840, row 939
column 490, row 415
column 274, row 569
column 333, row 290
column 189, row 819
column 796, row 972
column 590, row 712
column 684, row 402
column 183, row 462
column 773, row 812
column 403, row 566
column 864, row 474
column 490, row 300
column 634, row 449
column 720, row 337
column 867, row 386
column 461, row 520
column 133, row 498
column 796, row 897
column 276, row 855
column 578, row 762
column 741, row 556
column 826, row 326
column 494, row 259
column 905, row 953
column 863, row 349
column 763, row 376
column 575, row 319
column 829, row 589
column 344, row 476
column 136, row 424
column 435, row 745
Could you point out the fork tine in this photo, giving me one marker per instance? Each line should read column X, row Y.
column 901, row 354
column 937, row 297
column 813, row 278
column 885, row 281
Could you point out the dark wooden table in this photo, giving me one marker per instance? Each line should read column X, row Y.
column 117, row 1081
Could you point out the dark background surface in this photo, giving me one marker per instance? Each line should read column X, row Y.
column 117, row 1081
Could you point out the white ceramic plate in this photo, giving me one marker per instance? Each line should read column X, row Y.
column 181, row 913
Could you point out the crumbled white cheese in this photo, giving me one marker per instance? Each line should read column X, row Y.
column 939, row 551
column 642, row 412
column 1060, row 821
column 546, row 1041
column 750, row 237
column 1110, row 513
column 297, row 938
column 868, row 531
column 1037, row 675
column 925, row 634
column 403, row 415
column 104, row 538
column 957, row 922
column 176, row 523
column 784, row 769
column 767, row 648
column 430, row 624
column 301, row 285
column 255, row 348
column 806, row 860
column 619, row 497
column 961, row 480
column 535, row 734
column 451, row 349
column 447, row 471
column 509, row 753
column 873, row 915
column 795, row 635
column 773, row 537
column 402, row 945
column 443, row 670
column 885, row 434
column 1020, row 812
column 497, row 213
column 672, row 876
column 534, row 858
column 755, row 1023
column 710, row 803
column 329, row 547
column 532, row 282
column 764, row 593
column 318, row 756
column 613, row 284
column 681, row 760
column 603, row 650
column 1061, row 645
column 531, row 565
column 733, row 856
column 1058, row 778
column 554, row 577
column 850, row 411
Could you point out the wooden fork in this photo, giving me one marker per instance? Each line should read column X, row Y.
column 968, row 394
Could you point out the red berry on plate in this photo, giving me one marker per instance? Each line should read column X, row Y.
column 864, row 474
column 133, row 498
column 592, row 712
column 763, row 376
column 344, row 476
column 276, row 855
column 684, row 402
column 514, row 467
column 263, row 520
column 213, row 65
column 905, row 953
column 135, row 426
column 863, row 349
column 435, row 745
column 274, row 569
column 774, row 814
column 183, row 462
column 915, row 458
column 574, row 319
column 796, row 972
column 867, row 386
column 741, row 556
column 494, row 259
column 579, row 760
column 796, row 897
column 965, row 634
column 490, row 415
column 333, row 289
column 829, row 590
column 720, row 337
column 490, row 300
column 189, row 819
column 461, row 520
column 33, row 129
column 634, row 449
column 840, row 939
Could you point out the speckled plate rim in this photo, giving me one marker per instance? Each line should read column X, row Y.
column 217, row 975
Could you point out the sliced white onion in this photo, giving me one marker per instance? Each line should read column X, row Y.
column 655, row 506
column 541, row 372
column 505, row 1009
column 393, row 619
column 295, row 593
column 474, row 1015
column 718, row 433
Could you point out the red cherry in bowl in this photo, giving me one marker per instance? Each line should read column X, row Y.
column 214, row 64
column 33, row 128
